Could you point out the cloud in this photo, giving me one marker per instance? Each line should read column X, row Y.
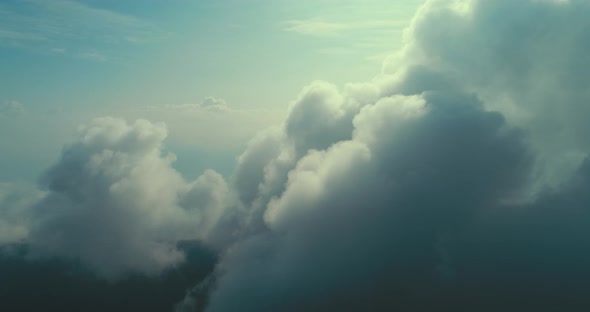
column 89, row 55
column 527, row 69
column 20, row 36
column 41, row 25
column 114, row 203
column 78, row 288
column 365, row 37
column 15, row 203
column 315, row 27
column 436, row 186
column 348, row 29
column 354, row 214
column 321, row 28
column 432, row 186
column 11, row 108
column 209, row 103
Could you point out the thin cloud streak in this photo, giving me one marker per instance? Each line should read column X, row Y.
column 42, row 25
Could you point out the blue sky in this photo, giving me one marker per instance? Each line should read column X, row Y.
column 65, row 62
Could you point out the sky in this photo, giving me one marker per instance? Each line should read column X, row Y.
column 66, row 62
column 285, row 156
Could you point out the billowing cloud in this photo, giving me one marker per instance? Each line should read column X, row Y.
column 433, row 186
column 114, row 203
column 15, row 203
column 368, row 212
column 523, row 58
column 440, row 185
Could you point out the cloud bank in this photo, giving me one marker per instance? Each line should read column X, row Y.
column 457, row 180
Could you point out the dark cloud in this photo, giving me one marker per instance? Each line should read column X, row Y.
column 371, row 212
column 525, row 59
column 437, row 187
column 59, row 285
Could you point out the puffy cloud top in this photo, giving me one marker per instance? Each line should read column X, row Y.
column 114, row 202
column 432, row 186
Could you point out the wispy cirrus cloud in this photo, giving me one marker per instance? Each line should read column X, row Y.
column 209, row 103
column 361, row 37
column 320, row 27
column 11, row 108
column 315, row 27
column 69, row 26
column 92, row 55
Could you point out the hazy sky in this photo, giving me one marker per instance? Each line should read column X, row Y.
column 66, row 62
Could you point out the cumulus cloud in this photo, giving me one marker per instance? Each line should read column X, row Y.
column 15, row 203
column 431, row 187
column 114, row 203
column 367, row 211
column 523, row 58
column 437, row 186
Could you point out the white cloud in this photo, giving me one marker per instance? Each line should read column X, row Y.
column 351, row 36
column 114, row 203
column 320, row 27
column 409, row 191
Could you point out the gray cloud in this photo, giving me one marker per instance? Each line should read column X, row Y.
column 373, row 207
column 434, row 185
column 15, row 203
column 523, row 58
column 437, row 186
column 209, row 103
column 66, row 286
column 114, row 203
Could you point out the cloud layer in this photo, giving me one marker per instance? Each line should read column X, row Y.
column 69, row 27
column 434, row 186
column 457, row 180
